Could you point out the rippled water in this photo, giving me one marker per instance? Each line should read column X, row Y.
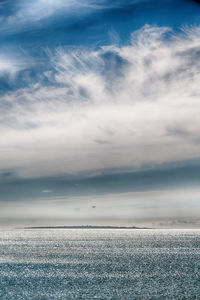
column 100, row 264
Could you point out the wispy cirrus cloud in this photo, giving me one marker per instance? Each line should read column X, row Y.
column 11, row 65
column 109, row 108
column 31, row 13
column 25, row 14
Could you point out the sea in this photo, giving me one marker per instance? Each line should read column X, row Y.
column 99, row 264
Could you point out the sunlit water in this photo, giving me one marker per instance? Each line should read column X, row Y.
column 99, row 264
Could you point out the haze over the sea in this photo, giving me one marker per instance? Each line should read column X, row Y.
column 99, row 112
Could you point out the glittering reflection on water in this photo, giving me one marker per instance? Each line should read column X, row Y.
column 99, row 264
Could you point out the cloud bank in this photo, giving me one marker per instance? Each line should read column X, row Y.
column 153, row 208
column 130, row 106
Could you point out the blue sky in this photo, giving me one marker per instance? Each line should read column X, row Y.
column 99, row 106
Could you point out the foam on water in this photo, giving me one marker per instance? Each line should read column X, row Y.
column 99, row 264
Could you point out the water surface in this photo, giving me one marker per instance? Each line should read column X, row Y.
column 99, row 264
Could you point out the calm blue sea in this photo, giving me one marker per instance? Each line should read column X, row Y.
column 99, row 264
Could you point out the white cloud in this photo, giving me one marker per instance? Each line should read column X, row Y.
column 115, row 107
column 28, row 12
column 11, row 65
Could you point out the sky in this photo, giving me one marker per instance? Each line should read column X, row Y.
column 99, row 112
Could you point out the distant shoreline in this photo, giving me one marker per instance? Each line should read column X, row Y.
column 85, row 227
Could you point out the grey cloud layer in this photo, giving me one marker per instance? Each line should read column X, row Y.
column 115, row 107
column 127, row 208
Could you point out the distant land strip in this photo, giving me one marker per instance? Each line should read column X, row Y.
column 85, row 227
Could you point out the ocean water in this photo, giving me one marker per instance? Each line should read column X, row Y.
column 99, row 264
